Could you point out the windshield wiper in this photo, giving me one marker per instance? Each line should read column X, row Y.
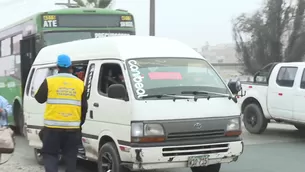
column 208, row 94
column 174, row 96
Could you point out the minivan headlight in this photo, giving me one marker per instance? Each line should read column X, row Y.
column 233, row 127
column 141, row 132
column 233, row 124
column 153, row 130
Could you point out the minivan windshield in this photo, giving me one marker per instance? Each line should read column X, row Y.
column 157, row 76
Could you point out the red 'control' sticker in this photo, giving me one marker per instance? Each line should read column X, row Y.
column 165, row 76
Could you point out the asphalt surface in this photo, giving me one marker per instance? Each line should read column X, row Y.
column 279, row 149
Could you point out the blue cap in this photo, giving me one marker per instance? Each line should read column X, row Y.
column 64, row 61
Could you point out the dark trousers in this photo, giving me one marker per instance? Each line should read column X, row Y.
column 55, row 140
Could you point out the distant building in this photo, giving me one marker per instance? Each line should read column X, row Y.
column 221, row 53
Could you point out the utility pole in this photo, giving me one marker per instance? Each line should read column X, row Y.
column 152, row 18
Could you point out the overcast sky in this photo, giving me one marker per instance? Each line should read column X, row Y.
column 194, row 23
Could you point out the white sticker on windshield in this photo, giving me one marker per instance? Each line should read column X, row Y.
column 103, row 35
column 137, row 78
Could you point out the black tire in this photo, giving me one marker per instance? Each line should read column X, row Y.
column 19, row 121
column 109, row 152
column 254, row 119
column 210, row 168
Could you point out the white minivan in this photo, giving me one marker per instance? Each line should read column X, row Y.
column 154, row 103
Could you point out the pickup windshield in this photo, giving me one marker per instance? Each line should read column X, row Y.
column 155, row 76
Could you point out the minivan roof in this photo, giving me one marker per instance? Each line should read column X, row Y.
column 118, row 47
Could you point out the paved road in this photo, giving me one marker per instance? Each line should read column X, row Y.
column 279, row 149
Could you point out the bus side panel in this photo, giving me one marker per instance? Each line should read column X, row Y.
column 10, row 84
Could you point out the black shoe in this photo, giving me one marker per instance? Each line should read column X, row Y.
column 82, row 156
column 82, row 153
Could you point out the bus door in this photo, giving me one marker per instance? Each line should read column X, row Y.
column 27, row 57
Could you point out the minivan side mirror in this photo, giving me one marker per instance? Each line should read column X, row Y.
column 117, row 91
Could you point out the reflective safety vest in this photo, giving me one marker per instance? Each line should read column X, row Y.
column 63, row 107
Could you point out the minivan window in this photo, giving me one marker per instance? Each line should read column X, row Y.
column 150, row 76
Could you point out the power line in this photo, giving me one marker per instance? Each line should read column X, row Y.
column 152, row 17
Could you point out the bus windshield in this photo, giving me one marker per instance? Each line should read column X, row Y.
column 51, row 38
column 150, row 76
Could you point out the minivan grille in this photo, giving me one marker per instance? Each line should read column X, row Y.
column 195, row 135
column 195, row 150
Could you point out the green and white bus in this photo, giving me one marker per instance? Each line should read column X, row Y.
column 21, row 42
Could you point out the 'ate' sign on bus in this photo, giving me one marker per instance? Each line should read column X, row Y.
column 49, row 21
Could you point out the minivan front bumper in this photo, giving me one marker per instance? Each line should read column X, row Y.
column 149, row 158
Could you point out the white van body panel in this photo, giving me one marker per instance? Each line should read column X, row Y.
column 183, row 109
column 112, row 118
column 120, row 47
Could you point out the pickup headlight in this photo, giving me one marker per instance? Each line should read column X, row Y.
column 141, row 132
column 234, row 127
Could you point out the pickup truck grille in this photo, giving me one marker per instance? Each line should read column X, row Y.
column 195, row 135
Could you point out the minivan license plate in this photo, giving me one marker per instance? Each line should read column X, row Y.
column 197, row 161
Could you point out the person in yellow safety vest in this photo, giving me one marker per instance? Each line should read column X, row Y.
column 66, row 108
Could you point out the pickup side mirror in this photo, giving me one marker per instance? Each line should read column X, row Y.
column 117, row 91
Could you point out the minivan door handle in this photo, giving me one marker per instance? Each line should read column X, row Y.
column 95, row 104
column 91, row 114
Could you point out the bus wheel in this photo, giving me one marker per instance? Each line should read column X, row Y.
column 20, row 122
column 18, row 119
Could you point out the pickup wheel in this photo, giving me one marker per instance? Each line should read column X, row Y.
column 254, row 119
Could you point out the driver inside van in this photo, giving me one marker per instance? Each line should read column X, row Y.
column 115, row 77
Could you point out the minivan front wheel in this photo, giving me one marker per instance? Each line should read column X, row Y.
column 210, row 168
column 109, row 159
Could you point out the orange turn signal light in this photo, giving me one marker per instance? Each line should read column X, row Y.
column 148, row 139
column 233, row 133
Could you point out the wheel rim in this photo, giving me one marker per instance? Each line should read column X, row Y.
column 251, row 118
column 106, row 162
